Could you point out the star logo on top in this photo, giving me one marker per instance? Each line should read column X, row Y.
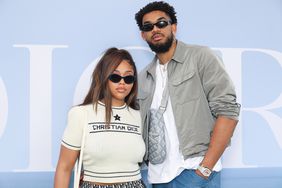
column 117, row 117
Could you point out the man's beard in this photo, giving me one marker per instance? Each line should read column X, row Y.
column 161, row 48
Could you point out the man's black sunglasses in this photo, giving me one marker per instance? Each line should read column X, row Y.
column 160, row 24
column 117, row 78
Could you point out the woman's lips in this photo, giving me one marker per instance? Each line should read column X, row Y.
column 121, row 89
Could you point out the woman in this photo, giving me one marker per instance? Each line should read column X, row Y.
column 113, row 142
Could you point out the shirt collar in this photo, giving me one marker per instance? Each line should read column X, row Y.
column 178, row 56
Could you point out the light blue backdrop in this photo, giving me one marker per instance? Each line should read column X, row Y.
column 48, row 49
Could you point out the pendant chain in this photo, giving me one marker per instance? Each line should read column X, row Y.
column 163, row 70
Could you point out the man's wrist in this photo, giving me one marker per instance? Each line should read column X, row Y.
column 205, row 171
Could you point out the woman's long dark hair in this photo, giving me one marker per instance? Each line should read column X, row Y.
column 99, row 89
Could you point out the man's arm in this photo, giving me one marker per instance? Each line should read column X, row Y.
column 221, row 97
column 222, row 133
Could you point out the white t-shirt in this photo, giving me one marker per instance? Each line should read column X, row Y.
column 111, row 153
column 174, row 163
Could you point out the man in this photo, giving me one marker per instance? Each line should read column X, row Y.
column 201, row 112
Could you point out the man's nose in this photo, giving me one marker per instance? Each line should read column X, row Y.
column 155, row 29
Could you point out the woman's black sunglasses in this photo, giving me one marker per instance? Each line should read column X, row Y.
column 160, row 24
column 117, row 78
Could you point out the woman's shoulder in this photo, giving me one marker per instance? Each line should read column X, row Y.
column 80, row 109
column 135, row 112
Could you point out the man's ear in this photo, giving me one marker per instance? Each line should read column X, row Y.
column 174, row 29
column 143, row 35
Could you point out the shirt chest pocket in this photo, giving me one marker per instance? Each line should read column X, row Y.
column 142, row 95
column 143, row 99
column 186, row 87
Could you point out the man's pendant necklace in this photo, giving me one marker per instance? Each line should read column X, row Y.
column 163, row 69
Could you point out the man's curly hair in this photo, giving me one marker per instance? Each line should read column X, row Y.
column 157, row 5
